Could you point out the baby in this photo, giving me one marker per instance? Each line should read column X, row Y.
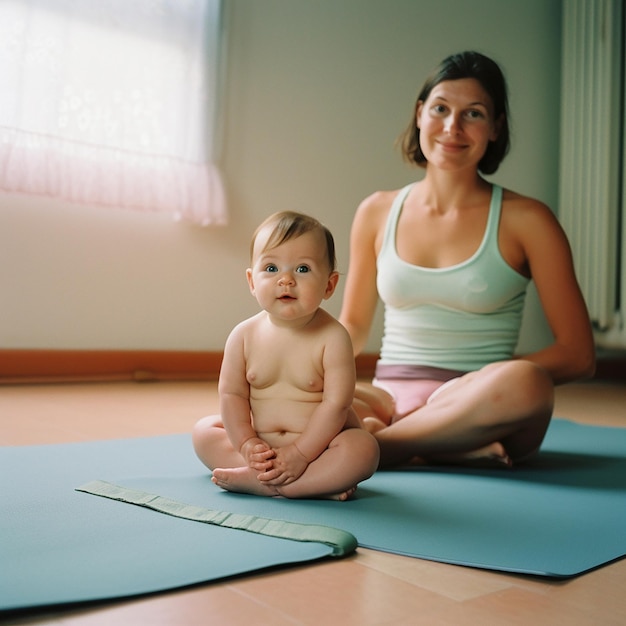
column 287, row 380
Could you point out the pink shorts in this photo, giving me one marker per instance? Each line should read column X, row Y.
column 410, row 394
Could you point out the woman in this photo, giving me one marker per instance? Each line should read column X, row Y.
column 451, row 257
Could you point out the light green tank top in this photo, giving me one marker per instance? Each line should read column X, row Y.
column 460, row 317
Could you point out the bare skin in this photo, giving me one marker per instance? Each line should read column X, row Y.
column 499, row 414
column 433, row 434
column 316, row 482
column 286, row 385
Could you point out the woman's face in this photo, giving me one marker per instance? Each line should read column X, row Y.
column 456, row 124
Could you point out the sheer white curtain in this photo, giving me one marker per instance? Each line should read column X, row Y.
column 113, row 103
column 591, row 189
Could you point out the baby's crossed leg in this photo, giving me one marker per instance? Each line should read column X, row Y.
column 351, row 457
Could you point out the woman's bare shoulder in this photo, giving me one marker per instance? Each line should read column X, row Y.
column 379, row 200
column 375, row 208
column 514, row 201
column 532, row 222
column 526, row 212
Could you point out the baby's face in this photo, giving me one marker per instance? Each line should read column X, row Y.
column 292, row 279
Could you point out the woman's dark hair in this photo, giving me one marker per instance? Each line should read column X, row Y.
column 489, row 75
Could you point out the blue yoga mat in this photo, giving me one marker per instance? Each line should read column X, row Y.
column 559, row 516
column 59, row 546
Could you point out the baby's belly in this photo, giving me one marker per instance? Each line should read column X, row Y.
column 278, row 439
column 280, row 421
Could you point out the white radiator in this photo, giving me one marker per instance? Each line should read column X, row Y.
column 591, row 166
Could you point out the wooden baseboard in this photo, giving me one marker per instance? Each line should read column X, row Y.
column 36, row 366
column 52, row 366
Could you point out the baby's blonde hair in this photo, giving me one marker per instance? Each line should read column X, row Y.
column 289, row 225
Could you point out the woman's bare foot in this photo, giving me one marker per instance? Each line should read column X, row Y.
column 342, row 497
column 494, row 455
column 244, row 480
column 373, row 424
column 369, row 399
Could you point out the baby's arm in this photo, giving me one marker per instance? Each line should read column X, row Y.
column 234, row 393
column 236, row 419
column 329, row 417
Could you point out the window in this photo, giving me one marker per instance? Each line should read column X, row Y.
column 113, row 103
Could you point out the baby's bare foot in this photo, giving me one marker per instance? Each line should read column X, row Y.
column 242, row 480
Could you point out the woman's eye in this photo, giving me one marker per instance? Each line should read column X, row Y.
column 302, row 269
column 474, row 114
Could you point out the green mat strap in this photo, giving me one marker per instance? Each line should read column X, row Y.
column 342, row 542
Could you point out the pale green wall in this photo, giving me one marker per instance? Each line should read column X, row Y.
column 317, row 91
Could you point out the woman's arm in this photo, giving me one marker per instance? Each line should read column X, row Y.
column 549, row 260
column 360, row 293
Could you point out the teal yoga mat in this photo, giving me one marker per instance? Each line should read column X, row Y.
column 560, row 516
column 59, row 546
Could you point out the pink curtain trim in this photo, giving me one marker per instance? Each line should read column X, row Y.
column 41, row 165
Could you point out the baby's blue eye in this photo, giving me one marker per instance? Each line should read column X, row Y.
column 271, row 268
column 302, row 269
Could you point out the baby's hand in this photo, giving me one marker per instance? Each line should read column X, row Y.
column 287, row 465
column 258, row 454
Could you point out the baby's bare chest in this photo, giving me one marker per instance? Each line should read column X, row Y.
column 295, row 364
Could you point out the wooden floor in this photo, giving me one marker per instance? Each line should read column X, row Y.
column 368, row 588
